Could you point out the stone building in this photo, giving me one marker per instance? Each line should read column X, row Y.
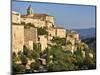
column 60, row 32
column 16, row 17
column 34, row 22
column 17, row 38
column 52, row 32
column 25, row 30
column 43, row 41
column 17, row 33
column 75, row 35
column 71, row 39
column 57, row 32
column 30, row 37
column 37, row 20
column 49, row 25
column 23, row 35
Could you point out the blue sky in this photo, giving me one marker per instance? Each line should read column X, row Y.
column 67, row 16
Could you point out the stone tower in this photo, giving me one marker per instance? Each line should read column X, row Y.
column 29, row 10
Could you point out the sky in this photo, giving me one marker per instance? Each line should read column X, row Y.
column 65, row 15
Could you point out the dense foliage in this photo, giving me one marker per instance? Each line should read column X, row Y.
column 57, row 59
column 59, row 41
column 65, row 60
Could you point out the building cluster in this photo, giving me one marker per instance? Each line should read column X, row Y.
column 24, row 31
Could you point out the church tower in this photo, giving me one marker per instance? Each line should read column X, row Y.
column 29, row 10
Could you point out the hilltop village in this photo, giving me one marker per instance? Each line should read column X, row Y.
column 32, row 28
column 23, row 35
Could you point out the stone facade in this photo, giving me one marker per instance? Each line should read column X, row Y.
column 38, row 20
column 52, row 32
column 16, row 17
column 60, row 32
column 43, row 41
column 50, row 19
column 30, row 37
column 27, row 35
column 73, row 37
column 57, row 32
column 49, row 25
column 17, row 38
column 34, row 22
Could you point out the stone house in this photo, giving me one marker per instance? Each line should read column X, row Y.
column 72, row 38
column 52, row 32
column 30, row 37
column 29, row 34
column 57, row 32
column 37, row 20
column 16, row 17
column 60, row 32
column 17, row 38
column 17, row 33
column 34, row 22
column 42, row 39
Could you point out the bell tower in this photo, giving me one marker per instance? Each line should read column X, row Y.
column 29, row 10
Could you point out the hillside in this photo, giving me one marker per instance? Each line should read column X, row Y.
column 91, row 43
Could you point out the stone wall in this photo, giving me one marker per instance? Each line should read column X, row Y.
column 50, row 19
column 49, row 25
column 17, row 38
column 30, row 36
column 72, row 38
column 60, row 32
column 34, row 22
column 43, row 41
column 27, row 20
column 16, row 17
column 57, row 32
column 52, row 32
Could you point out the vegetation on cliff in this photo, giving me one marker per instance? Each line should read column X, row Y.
column 57, row 59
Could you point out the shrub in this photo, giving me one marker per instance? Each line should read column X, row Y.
column 18, row 68
column 35, row 66
column 23, row 59
column 59, row 41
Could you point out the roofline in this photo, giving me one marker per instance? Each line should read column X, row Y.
column 14, row 12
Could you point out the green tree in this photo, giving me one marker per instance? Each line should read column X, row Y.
column 36, row 50
column 35, row 65
column 48, row 56
column 90, row 62
column 79, row 58
column 23, row 59
column 27, row 52
column 61, row 60
column 18, row 68
column 59, row 41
